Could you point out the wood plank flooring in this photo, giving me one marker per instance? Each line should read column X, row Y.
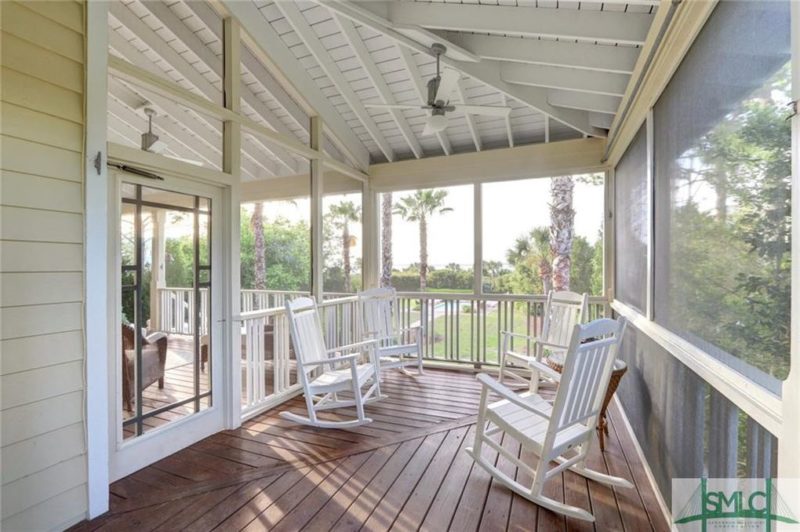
column 405, row 471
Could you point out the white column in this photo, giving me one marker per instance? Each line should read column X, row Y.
column 317, row 190
column 477, row 284
column 158, row 275
column 231, row 164
column 370, row 227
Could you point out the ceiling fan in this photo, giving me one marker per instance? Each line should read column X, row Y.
column 438, row 105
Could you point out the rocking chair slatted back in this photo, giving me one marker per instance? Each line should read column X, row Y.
column 587, row 371
column 564, row 311
column 376, row 307
column 307, row 334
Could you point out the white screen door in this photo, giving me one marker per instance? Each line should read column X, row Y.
column 166, row 361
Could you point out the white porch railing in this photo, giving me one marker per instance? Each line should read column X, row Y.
column 176, row 310
column 268, row 363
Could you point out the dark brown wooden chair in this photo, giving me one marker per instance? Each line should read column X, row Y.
column 154, row 360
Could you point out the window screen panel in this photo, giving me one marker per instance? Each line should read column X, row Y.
column 722, row 191
column 632, row 226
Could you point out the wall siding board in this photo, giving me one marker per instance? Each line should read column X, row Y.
column 42, row 376
column 41, row 256
column 29, row 420
column 42, row 350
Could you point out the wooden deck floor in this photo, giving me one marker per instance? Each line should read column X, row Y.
column 405, row 471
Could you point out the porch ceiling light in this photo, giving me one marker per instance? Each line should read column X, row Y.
column 437, row 122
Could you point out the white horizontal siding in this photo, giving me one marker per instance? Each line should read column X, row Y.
column 41, row 265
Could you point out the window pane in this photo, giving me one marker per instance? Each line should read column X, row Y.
column 342, row 239
column 430, row 245
column 518, row 253
column 723, row 171
column 632, row 223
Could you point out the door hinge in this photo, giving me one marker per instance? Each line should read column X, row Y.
column 98, row 162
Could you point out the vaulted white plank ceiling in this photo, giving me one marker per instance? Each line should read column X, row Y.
column 561, row 66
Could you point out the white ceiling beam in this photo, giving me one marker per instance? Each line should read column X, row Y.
column 365, row 59
column 471, row 125
column 281, row 62
column 574, row 79
column 206, row 132
column 422, row 92
column 488, row 74
column 199, row 123
column 603, row 58
column 584, row 101
column 566, row 157
column 509, row 132
column 602, row 26
column 602, row 120
column 176, row 26
column 328, row 65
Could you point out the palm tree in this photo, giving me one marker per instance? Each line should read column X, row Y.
column 257, row 222
column 386, row 240
column 562, row 229
column 341, row 214
column 536, row 248
column 420, row 207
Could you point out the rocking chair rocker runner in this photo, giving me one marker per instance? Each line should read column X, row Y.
column 560, row 432
column 323, row 376
column 398, row 347
column 562, row 311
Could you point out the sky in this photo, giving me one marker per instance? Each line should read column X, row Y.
column 510, row 209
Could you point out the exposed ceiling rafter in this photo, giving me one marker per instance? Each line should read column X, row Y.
column 281, row 62
column 303, row 29
column 473, row 127
column 554, row 77
column 484, row 72
column 610, row 27
column 154, row 42
column 602, row 58
column 587, row 102
column 357, row 44
column 171, row 21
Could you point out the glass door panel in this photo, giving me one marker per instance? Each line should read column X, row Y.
column 165, row 295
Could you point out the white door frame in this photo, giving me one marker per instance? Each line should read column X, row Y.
column 127, row 456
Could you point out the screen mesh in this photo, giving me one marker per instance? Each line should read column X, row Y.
column 631, row 225
column 722, row 196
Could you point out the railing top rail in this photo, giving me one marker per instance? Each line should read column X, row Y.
column 485, row 297
column 277, row 292
column 266, row 312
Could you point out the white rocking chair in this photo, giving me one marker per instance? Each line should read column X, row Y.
column 398, row 347
column 562, row 432
column 319, row 375
column 562, row 311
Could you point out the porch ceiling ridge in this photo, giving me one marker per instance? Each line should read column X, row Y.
column 158, row 496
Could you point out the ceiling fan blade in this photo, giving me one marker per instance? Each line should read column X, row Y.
column 447, row 85
column 484, row 110
column 394, row 106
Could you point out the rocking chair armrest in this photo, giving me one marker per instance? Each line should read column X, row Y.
column 534, row 339
column 348, row 347
column 544, row 368
column 344, row 358
column 509, row 395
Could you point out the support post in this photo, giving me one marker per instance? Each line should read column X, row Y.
column 477, row 268
column 101, row 414
column 231, row 164
column 370, row 252
column 158, row 277
column 317, row 191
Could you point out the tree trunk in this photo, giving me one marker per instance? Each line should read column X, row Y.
column 562, row 227
column 546, row 275
column 386, row 240
column 257, row 222
column 423, row 254
column 346, row 256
